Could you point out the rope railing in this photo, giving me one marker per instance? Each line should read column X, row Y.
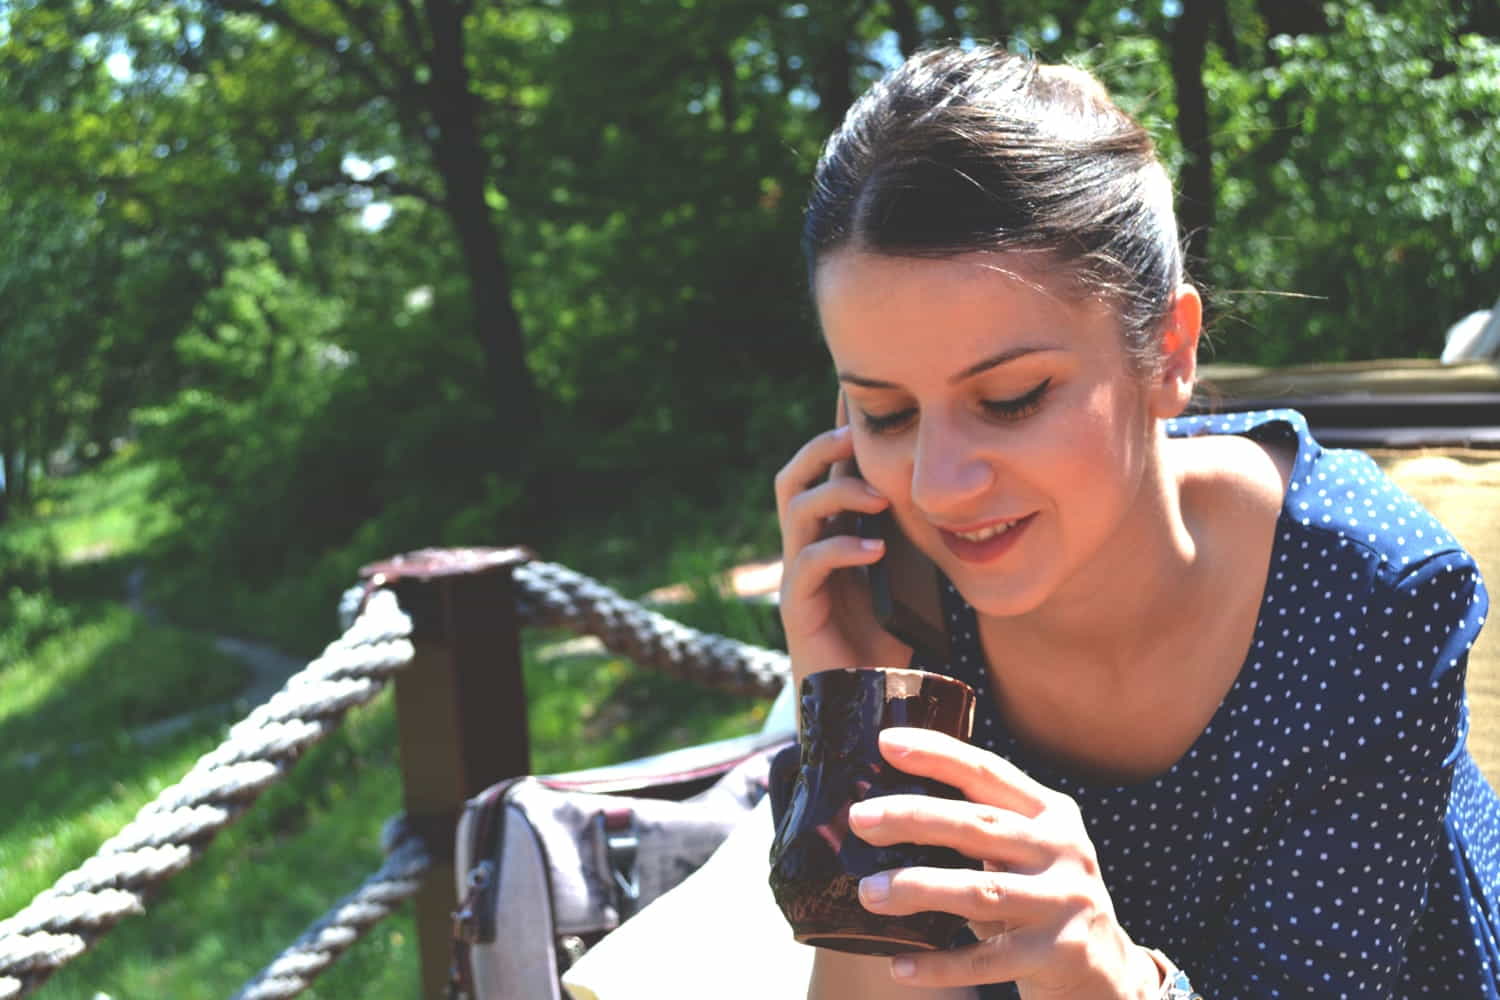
column 294, row 970
column 552, row 595
column 171, row 831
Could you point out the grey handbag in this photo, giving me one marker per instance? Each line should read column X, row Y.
column 546, row 866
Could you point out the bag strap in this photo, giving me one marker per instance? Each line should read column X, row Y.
column 474, row 920
column 617, row 830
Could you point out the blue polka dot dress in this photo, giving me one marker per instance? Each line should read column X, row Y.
column 1327, row 834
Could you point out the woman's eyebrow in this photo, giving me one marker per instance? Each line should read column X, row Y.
column 993, row 361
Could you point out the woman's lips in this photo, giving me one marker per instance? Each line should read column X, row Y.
column 988, row 549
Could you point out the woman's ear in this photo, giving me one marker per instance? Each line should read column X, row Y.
column 1172, row 387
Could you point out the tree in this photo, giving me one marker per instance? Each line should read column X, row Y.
column 1196, row 199
column 411, row 63
column 1352, row 177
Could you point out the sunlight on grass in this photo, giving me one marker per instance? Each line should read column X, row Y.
column 110, row 670
column 587, row 707
column 104, row 512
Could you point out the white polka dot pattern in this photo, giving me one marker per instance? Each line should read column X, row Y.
column 1327, row 834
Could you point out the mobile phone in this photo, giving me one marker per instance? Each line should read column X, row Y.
column 915, row 614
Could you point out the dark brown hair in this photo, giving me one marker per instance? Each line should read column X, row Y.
column 958, row 151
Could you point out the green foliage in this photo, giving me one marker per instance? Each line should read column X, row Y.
column 259, row 366
column 586, row 707
column 27, row 560
column 28, row 618
column 306, row 384
column 1354, row 173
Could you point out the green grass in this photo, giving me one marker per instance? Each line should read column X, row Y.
column 587, row 709
column 305, row 843
column 107, row 671
column 102, row 513
column 78, row 672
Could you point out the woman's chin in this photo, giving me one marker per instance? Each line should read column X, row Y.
column 1010, row 597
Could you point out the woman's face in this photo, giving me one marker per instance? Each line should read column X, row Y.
column 1000, row 419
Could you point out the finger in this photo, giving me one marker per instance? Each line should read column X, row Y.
column 1001, row 958
column 810, row 465
column 980, row 775
column 806, row 573
column 975, row 830
column 810, row 515
column 996, row 897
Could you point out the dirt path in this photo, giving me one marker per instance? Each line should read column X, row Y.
column 269, row 667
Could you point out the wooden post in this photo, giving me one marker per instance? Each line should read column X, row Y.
column 460, row 710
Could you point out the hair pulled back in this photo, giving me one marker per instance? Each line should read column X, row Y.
column 958, row 151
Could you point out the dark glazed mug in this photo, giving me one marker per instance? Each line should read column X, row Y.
column 816, row 862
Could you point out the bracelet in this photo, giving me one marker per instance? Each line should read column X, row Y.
column 1175, row 985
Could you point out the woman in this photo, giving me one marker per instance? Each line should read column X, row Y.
column 1220, row 669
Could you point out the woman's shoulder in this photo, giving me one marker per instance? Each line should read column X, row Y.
column 1344, row 496
column 1389, row 601
column 1361, row 574
column 1350, row 530
column 1336, row 494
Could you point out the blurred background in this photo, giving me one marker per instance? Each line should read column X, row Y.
column 288, row 286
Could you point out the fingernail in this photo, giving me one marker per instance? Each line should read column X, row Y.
column 871, row 543
column 894, row 744
column 842, row 430
column 865, row 814
column 875, row 888
column 903, row 967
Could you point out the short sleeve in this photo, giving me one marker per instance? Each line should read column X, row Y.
column 1408, row 710
column 1341, row 868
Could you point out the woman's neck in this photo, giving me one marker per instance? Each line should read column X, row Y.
column 1119, row 672
column 1148, row 577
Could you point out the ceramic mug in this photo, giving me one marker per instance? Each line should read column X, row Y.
column 816, row 862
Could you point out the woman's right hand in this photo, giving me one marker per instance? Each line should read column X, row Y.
column 825, row 604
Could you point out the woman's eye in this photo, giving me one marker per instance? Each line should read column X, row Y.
column 1020, row 406
column 1002, row 409
column 882, row 423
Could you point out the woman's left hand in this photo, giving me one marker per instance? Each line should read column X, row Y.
column 1039, row 906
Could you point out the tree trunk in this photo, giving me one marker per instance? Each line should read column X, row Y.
column 1195, row 205
column 835, row 66
column 1481, row 18
column 1282, row 18
column 465, row 169
column 729, row 98
column 904, row 24
column 7, row 471
column 947, row 11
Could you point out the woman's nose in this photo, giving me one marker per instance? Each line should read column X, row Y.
column 948, row 474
